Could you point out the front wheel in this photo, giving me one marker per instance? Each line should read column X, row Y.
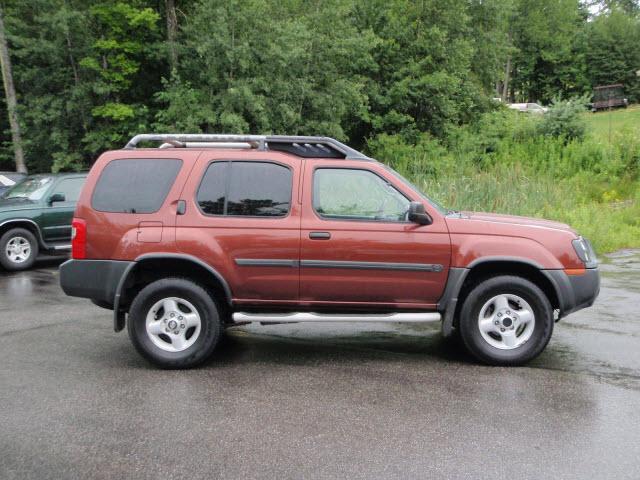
column 19, row 249
column 506, row 320
column 174, row 323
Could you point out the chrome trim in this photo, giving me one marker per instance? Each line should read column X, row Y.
column 266, row 262
column 241, row 317
column 62, row 247
column 422, row 267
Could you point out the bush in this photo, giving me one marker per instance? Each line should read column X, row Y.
column 564, row 119
column 506, row 164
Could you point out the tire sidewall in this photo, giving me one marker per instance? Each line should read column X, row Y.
column 470, row 331
column 210, row 329
column 4, row 240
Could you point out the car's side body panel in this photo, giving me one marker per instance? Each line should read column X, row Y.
column 126, row 236
column 258, row 256
column 481, row 236
column 372, row 264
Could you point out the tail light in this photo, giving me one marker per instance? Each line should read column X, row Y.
column 78, row 239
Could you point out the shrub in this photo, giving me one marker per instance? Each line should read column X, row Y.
column 564, row 119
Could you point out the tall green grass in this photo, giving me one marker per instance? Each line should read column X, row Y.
column 503, row 164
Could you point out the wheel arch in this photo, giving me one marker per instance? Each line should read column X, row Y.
column 150, row 267
column 462, row 280
column 25, row 223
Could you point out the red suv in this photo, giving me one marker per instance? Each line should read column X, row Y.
column 210, row 231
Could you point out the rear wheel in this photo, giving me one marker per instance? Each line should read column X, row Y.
column 506, row 321
column 19, row 249
column 174, row 323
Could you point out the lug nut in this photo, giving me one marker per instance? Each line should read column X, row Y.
column 502, row 329
column 180, row 318
column 508, row 312
column 497, row 322
column 182, row 325
column 172, row 314
column 499, row 314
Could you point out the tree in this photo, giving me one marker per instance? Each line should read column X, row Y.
column 612, row 51
column 10, row 94
column 172, row 33
column 547, row 60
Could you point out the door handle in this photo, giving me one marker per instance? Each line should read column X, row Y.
column 319, row 235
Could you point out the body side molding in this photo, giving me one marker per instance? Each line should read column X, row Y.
column 424, row 267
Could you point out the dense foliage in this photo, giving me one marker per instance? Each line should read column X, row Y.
column 91, row 73
column 412, row 82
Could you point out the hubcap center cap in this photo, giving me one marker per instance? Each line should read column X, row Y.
column 173, row 324
column 507, row 322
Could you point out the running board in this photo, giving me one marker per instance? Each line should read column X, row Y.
column 240, row 317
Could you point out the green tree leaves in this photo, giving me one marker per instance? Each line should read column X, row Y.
column 89, row 74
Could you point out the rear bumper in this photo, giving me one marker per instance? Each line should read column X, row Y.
column 97, row 280
column 575, row 292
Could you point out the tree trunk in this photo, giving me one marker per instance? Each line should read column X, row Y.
column 505, row 85
column 10, row 93
column 172, row 33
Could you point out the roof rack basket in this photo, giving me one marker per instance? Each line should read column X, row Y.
column 306, row 147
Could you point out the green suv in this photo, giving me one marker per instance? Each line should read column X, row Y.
column 35, row 216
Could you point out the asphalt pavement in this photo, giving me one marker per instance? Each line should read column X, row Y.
column 320, row 401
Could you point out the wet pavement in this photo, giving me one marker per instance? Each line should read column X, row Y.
column 335, row 401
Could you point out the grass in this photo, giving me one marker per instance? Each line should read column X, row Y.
column 606, row 125
column 504, row 165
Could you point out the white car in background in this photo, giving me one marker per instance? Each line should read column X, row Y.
column 528, row 108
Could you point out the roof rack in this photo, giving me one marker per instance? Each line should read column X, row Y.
column 306, row 147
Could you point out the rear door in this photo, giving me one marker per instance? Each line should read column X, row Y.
column 243, row 219
column 357, row 247
column 56, row 216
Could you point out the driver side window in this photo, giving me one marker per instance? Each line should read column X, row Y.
column 353, row 194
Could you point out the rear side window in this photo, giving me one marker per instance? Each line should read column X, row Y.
column 135, row 185
column 255, row 189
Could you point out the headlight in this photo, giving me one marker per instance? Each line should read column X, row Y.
column 585, row 252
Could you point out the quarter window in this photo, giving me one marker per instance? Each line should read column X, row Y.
column 256, row 189
column 352, row 194
column 135, row 185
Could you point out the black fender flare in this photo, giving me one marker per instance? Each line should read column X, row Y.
column 119, row 316
column 457, row 275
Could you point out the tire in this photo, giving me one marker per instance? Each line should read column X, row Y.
column 185, row 343
column 18, row 249
column 524, row 315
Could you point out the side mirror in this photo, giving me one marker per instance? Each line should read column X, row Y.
column 56, row 197
column 417, row 214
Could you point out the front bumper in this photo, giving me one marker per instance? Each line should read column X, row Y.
column 97, row 280
column 575, row 292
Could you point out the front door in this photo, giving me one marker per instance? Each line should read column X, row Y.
column 357, row 247
column 57, row 215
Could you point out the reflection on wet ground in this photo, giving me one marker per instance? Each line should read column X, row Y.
column 316, row 401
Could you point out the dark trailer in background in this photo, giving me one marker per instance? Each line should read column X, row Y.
column 609, row 96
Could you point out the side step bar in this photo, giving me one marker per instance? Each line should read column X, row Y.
column 240, row 317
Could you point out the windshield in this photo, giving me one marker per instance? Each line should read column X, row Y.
column 32, row 188
column 433, row 203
